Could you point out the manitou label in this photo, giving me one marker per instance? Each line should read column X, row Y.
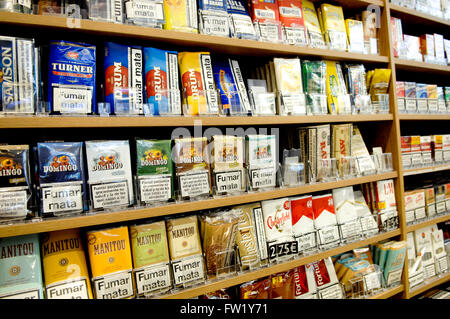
column 152, row 278
column 306, row 242
column 13, row 203
column 188, row 270
column 30, row 294
column 194, row 184
column 229, row 181
column 62, row 198
column 110, row 194
column 72, row 100
column 263, row 177
column 156, row 188
column 114, row 286
column 69, row 290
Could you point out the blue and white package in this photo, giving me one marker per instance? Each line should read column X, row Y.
column 123, row 78
column 17, row 75
column 61, row 177
column 241, row 25
column 213, row 17
column 233, row 94
column 71, row 77
column 162, row 90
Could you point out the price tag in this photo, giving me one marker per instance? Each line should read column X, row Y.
column 350, row 230
column 338, row 40
column 328, row 236
column 270, row 31
column 332, row 292
column 441, row 207
column 277, row 250
column 420, row 213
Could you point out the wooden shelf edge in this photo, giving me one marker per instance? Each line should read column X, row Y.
column 418, row 14
column 86, row 220
column 263, row 272
column 120, row 121
column 429, row 222
column 433, row 283
column 388, row 293
column 420, row 66
column 424, row 170
column 219, row 44
column 424, row 117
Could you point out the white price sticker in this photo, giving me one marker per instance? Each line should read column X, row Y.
column 401, row 105
column 270, row 32
column 294, row 103
column 420, row 213
column 440, row 207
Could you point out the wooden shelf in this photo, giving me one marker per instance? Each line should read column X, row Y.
column 430, row 283
column 410, row 65
column 263, row 272
column 424, row 170
column 118, row 121
column 389, row 293
column 417, row 17
column 428, row 222
column 216, row 44
column 85, row 220
column 424, row 117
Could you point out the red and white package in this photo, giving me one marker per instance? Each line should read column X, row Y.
column 324, row 214
column 302, row 215
column 405, row 144
column 425, row 143
column 266, row 17
column 304, row 283
column 291, row 18
column 326, row 280
column 385, row 195
column 277, row 220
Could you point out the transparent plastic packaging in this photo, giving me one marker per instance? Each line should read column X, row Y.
column 203, row 103
column 361, row 104
column 366, row 284
column 316, row 104
column 381, row 103
column 106, row 10
column 262, row 103
column 347, row 167
column 292, row 103
column 237, row 103
column 383, row 162
column 327, row 170
column 22, row 6
column 293, row 174
column 366, row 165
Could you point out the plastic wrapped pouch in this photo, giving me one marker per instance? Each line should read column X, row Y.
column 241, row 25
column 20, row 268
column 218, row 232
column 15, row 182
column 256, row 289
column 181, row 15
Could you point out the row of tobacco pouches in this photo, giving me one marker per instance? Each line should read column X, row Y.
column 153, row 256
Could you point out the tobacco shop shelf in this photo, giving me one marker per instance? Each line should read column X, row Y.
column 410, row 65
column 389, row 292
column 142, row 121
column 428, row 222
column 424, row 117
column 215, row 43
column 428, row 169
column 430, row 283
column 417, row 17
column 52, row 224
column 263, row 272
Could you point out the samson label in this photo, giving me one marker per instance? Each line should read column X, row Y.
column 72, row 100
column 114, row 286
column 62, row 198
column 156, row 188
column 30, row 294
column 69, row 290
column 188, row 270
column 152, row 278
column 195, row 184
column 306, row 242
column 228, row 181
column 263, row 177
column 110, row 194
column 13, row 203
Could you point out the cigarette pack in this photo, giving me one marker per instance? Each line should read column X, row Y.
column 393, row 267
column 303, row 222
column 411, row 251
column 439, row 47
column 385, row 195
column 430, row 201
column 60, row 280
column 370, row 23
column 325, row 219
column 123, row 78
column 20, row 268
column 344, row 203
column 199, row 94
column 400, row 87
column 292, row 19
column 334, row 26
column 241, row 25
column 261, row 160
column 419, row 204
column 105, row 10
column 111, row 263
column 437, row 148
column 440, row 255
column 427, row 47
column 229, row 80
column 416, row 154
column 266, row 19
column 71, row 77
column 150, row 254
column 412, row 47
column 424, row 248
column 355, row 35
column 314, row 31
column 326, row 280
column 181, row 15
column 369, row 223
column 397, row 36
column 213, row 17
column 282, row 285
column 154, row 169
column 109, row 174
column 304, row 283
column 409, row 206
column 162, row 90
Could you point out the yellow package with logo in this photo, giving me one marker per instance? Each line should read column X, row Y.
column 181, row 15
column 111, row 264
column 64, row 264
column 197, row 79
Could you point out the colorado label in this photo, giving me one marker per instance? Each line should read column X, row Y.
column 62, row 198
column 263, row 177
column 194, row 184
column 307, row 241
column 152, row 278
column 32, row 294
column 115, row 286
column 158, row 188
column 229, row 181
column 110, row 194
column 69, row 290
column 188, row 269
column 13, row 203
column 71, row 100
